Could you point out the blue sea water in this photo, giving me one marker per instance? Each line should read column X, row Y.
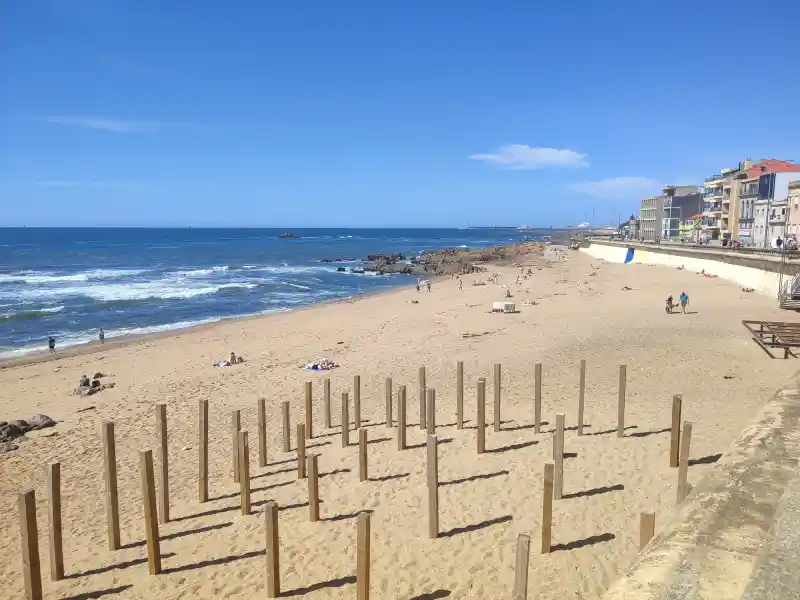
column 70, row 282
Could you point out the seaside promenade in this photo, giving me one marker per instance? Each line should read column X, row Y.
column 573, row 309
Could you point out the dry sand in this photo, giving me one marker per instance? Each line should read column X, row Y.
column 211, row 551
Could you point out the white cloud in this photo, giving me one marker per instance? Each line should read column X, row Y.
column 621, row 188
column 522, row 156
column 120, row 186
column 104, row 124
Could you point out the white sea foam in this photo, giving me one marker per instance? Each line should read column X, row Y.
column 129, row 291
column 39, row 277
column 202, row 272
column 298, row 286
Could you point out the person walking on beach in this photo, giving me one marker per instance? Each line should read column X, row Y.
column 684, row 301
column 51, row 343
column 460, row 285
column 102, row 336
column 428, row 284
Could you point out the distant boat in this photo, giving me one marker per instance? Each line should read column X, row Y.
column 289, row 236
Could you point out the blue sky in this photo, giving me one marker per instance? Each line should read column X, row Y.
column 382, row 113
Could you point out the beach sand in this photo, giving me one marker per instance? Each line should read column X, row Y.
column 212, row 551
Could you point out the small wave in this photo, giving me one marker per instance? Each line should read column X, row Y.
column 297, row 285
column 287, row 270
column 33, row 277
column 27, row 315
column 39, row 277
column 202, row 272
column 117, row 292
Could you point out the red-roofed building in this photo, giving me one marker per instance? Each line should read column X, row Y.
column 763, row 191
column 772, row 165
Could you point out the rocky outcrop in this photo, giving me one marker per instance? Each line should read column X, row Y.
column 13, row 430
column 337, row 259
column 452, row 261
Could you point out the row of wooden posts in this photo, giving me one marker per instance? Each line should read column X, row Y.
column 156, row 501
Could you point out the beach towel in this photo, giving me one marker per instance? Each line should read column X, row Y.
column 629, row 256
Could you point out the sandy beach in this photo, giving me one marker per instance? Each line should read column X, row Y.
column 212, row 551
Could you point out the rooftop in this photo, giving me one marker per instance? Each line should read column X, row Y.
column 772, row 165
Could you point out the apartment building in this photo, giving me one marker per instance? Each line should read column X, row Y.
column 660, row 217
column 680, row 202
column 650, row 218
column 763, row 194
column 793, row 211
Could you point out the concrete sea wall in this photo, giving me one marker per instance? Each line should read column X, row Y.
column 737, row 535
column 763, row 274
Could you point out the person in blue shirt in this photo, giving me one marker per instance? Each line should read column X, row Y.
column 684, row 301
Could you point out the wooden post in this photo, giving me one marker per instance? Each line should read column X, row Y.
column 683, row 467
column 301, row 451
column 481, row 415
column 647, row 528
column 581, row 397
column 112, row 497
column 433, row 487
column 273, row 550
column 459, row 395
column 537, row 398
column 558, row 478
column 521, row 569
column 313, row 488
column 430, row 410
column 362, row 455
column 675, row 431
column 621, row 402
column 309, row 411
column 287, row 434
column 389, row 402
column 497, row 389
column 31, row 568
column 203, row 450
column 236, row 427
column 357, row 400
column 547, row 508
column 362, row 557
column 163, row 470
column 263, row 459
column 326, row 394
column 422, row 387
column 401, row 417
column 54, row 514
column 244, row 474
column 150, row 516
column 345, row 420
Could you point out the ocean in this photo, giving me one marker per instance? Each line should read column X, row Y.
column 69, row 282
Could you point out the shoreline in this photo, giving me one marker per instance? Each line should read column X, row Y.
column 124, row 341
column 492, row 256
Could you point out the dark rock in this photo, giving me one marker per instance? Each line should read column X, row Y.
column 388, row 258
column 96, row 383
column 335, row 260
column 9, row 432
column 98, row 375
column 7, row 447
column 40, row 422
column 341, row 270
column 20, row 424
